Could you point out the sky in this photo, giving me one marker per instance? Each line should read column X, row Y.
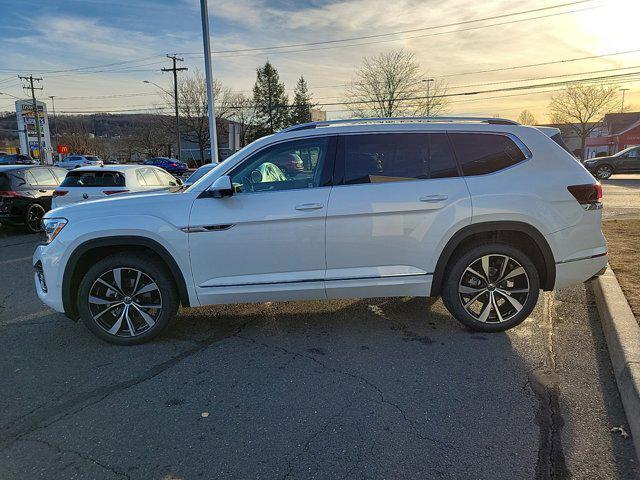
column 93, row 55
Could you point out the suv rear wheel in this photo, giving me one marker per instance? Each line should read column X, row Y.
column 127, row 298
column 491, row 287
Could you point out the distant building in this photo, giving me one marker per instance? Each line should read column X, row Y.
column 571, row 139
column 318, row 115
column 618, row 131
column 228, row 133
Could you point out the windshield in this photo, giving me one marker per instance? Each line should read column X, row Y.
column 199, row 173
column 204, row 175
column 625, row 151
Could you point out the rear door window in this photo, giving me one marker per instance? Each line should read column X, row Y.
column 482, row 153
column 392, row 157
column 147, row 177
column 166, row 179
column 93, row 179
column 43, row 177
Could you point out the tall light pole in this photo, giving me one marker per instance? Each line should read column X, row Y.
column 206, row 40
column 53, row 106
column 623, row 90
column 428, row 82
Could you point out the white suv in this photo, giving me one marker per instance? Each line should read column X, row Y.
column 484, row 212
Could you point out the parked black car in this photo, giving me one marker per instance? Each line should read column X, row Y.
column 26, row 192
column 625, row 161
column 16, row 159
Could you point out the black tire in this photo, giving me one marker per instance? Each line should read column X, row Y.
column 604, row 171
column 33, row 218
column 152, row 272
column 508, row 315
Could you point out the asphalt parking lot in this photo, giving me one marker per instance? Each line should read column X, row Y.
column 384, row 388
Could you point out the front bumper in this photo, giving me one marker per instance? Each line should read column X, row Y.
column 46, row 278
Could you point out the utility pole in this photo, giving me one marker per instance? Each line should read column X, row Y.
column 55, row 123
column 623, row 90
column 175, row 71
column 428, row 82
column 206, row 40
column 36, row 114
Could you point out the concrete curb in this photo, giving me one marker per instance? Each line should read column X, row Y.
column 622, row 333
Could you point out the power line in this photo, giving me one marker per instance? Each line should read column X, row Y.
column 608, row 79
column 77, row 69
column 401, row 32
column 393, row 40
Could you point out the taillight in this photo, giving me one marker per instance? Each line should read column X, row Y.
column 588, row 195
column 174, row 164
column 60, row 193
column 8, row 193
column 112, row 192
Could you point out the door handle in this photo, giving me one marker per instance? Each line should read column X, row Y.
column 309, row 206
column 433, row 198
column 42, row 191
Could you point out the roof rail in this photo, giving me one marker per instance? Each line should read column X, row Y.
column 326, row 123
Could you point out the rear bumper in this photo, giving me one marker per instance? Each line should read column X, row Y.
column 578, row 271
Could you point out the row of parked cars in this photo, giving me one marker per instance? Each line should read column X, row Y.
column 28, row 191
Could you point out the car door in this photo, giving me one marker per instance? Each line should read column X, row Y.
column 267, row 241
column 44, row 183
column 631, row 161
column 400, row 196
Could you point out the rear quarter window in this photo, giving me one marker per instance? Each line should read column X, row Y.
column 93, row 179
column 482, row 153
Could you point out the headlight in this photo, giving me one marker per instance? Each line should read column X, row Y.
column 52, row 227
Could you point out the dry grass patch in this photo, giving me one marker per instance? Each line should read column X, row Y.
column 623, row 237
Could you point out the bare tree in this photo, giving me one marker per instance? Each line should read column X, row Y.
column 391, row 85
column 193, row 108
column 582, row 106
column 243, row 112
column 527, row 118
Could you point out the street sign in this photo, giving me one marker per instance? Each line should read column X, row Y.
column 27, row 129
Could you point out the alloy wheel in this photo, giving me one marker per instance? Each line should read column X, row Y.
column 494, row 288
column 604, row 171
column 125, row 302
column 34, row 217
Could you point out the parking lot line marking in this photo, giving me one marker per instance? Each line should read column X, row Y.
column 30, row 316
column 21, row 259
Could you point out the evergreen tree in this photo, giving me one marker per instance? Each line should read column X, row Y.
column 302, row 103
column 271, row 103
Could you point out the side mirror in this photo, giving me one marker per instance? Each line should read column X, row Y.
column 222, row 187
column 179, row 182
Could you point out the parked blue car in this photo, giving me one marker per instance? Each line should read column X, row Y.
column 171, row 165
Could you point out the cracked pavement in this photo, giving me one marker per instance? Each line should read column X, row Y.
column 382, row 388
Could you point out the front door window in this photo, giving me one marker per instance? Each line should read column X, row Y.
column 287, row 166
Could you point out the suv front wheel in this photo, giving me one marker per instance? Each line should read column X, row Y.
column 127, row 298
column 491, row 287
